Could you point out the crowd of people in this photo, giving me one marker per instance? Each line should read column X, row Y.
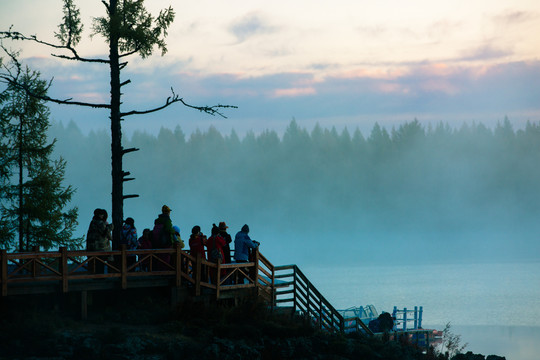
column 216, row 248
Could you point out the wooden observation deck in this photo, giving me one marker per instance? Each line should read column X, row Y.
column 65, row 271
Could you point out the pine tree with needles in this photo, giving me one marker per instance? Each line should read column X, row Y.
column 33, row 199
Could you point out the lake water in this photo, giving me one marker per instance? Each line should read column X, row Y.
column 494, row 307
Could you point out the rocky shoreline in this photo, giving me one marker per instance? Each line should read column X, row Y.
column 148, row 329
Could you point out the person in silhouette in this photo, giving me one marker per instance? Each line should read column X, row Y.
column 98, row 238
column 225, row 235
column 163, row 232
column 242, row 246
column 129, row 238
column 163, row 236
column 197, row 242
column 227, row 248
column 145, row 242
column 177, row 238
column 215, row 244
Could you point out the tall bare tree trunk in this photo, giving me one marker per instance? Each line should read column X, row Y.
column 21, row 197
column 116, row 131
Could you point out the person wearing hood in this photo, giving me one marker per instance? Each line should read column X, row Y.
column 177, row 238
column 129, row 234
column 242, row 244
column 129, row 238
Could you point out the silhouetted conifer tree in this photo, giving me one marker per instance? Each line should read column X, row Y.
column 33, row 198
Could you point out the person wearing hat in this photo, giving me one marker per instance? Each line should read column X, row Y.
column 163, row 232
column 227, row 248
column 163, row 236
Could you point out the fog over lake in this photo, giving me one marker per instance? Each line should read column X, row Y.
column 409, row 194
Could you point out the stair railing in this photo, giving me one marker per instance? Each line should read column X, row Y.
column 294, row 289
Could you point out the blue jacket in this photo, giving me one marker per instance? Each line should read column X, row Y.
column 242, row 244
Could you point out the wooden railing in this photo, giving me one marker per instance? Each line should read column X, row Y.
column 66, row 266
column 294, row 289
column 280, row 285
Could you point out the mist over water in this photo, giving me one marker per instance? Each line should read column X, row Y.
column 492, row 306
column 400, row 196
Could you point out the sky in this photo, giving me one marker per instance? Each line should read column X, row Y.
column 342, row 63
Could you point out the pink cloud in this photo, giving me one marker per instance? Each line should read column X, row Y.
column 438, row 69
column 293, row 92
column 376, row 73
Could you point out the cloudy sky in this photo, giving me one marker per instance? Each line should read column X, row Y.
column 339, row 63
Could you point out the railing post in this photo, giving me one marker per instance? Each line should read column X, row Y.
column 4, row 271
column 420, row 317
column 123, row 265
column 307, row 296
column 256, row 270
column 320, row 313
column 198, row 268
column 178, row 254
column 64, row 268
column 415, row 317
column 218, row 278
column 35, row 250
column 273, row 289
column 294, row 289
column 404, row 319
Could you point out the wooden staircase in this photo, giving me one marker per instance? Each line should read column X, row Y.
column 295, row 293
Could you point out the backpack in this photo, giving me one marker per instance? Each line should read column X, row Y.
column 160, row 240
column 215, row 254
column 128, row 238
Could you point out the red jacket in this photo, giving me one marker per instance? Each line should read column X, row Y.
column 196, row 245
column 216, row 241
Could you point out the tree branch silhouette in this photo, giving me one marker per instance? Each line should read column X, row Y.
column 129, row 29
column 17, row 36
column 211, row 110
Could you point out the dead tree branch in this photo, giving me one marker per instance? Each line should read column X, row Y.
column 15, row 35
column 211, row 110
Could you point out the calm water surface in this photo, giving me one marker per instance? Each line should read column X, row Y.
column 494, row 307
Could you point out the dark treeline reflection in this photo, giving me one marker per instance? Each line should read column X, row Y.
column 409, row 194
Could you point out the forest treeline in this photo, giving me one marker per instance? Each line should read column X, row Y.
column 411, row 179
